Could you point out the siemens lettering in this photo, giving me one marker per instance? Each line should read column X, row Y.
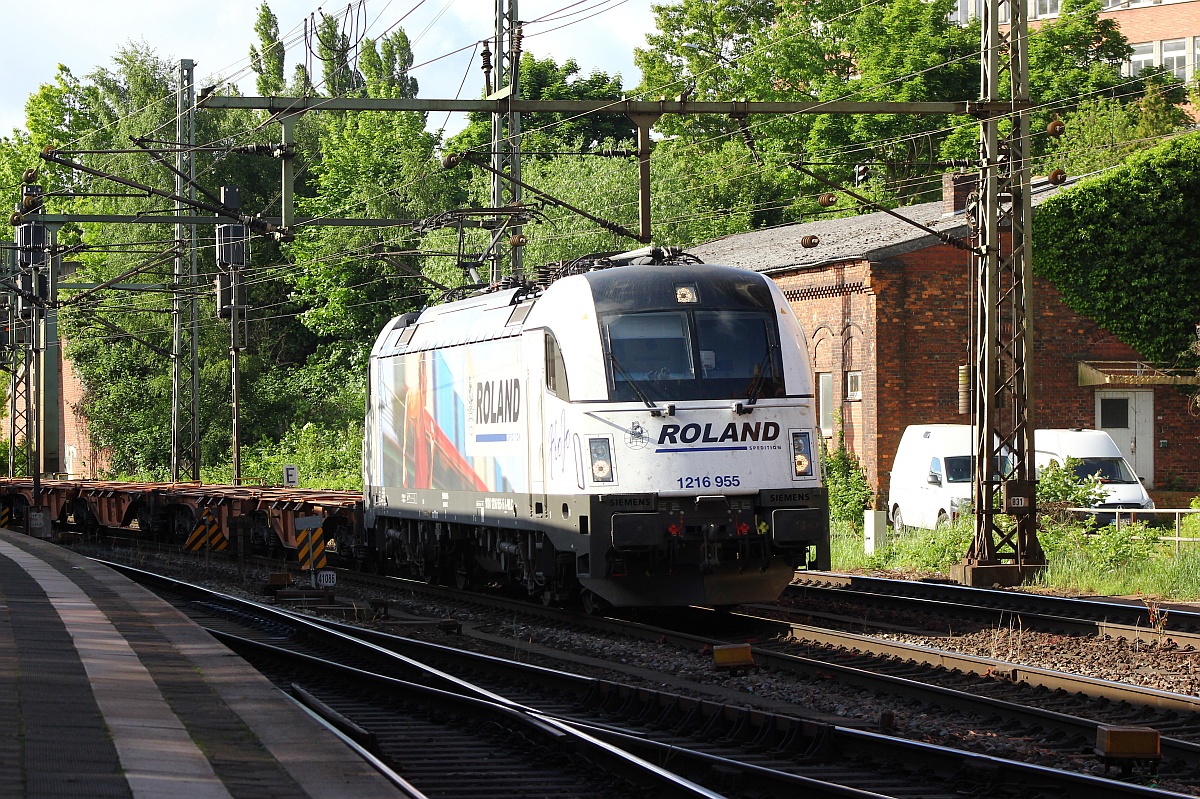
column 497, row 401
column 691, row 433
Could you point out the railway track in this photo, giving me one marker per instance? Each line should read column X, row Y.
column 1064, row 708
column 731, row 749
column 1129, row 619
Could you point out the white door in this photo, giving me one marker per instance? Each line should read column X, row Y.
column 1128, row 416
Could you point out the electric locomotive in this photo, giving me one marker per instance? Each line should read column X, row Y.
column 639, row 431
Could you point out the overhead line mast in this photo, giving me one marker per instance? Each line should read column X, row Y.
column 1005, row 547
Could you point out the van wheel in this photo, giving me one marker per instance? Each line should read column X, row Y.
column 897, row 521
column 943, row 520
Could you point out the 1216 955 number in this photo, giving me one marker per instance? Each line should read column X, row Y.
column 705, row 481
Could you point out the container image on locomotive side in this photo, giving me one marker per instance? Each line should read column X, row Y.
column 635, row 435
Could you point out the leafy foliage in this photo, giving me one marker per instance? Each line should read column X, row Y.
column 544, row 79
column 849, row 493
column 268, row 61
column 1143, row 287
column 325, row 458
column 1059, row 488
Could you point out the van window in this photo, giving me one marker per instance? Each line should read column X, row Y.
column 959, row 468
column 935, row 467
column 1109, row 470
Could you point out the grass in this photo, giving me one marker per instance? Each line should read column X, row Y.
column 1081, row 559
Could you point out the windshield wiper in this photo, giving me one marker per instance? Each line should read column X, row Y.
column 633, row 383
column 760, row 377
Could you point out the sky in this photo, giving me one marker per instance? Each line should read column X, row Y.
column 217, row 35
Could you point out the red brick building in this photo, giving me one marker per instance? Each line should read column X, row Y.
column 885, row 308
column 1162, row 33
column 78, row 458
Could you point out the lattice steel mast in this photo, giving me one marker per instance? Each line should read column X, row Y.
column 1004, row 550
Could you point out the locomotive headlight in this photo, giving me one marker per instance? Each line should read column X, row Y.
column 601, row 451
column 801, row 454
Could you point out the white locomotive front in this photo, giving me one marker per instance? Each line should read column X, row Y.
column 633, row 435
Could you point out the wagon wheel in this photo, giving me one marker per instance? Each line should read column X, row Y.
column 465, row 570
column 593, row 604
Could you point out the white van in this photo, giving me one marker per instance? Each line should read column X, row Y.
column 1097, row 454
column 932, row 475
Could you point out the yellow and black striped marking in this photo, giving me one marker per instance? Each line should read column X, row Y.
column 310, row 549
column 207, row 535
column 5, row 517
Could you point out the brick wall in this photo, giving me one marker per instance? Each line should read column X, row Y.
column 79, row 460
column 836, row 309
column 909, row 319
column 1155, row 22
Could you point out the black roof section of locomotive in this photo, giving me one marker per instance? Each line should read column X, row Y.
column 643, row 288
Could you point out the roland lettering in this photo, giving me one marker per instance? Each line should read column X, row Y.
column 497, row 401
column 693, row 432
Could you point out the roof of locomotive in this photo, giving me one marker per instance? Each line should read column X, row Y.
column 500, row 314
column 480, row 317
column 632, row 288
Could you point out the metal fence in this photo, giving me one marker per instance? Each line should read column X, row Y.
column 1150, row 516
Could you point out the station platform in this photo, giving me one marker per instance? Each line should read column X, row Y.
column 107, row 691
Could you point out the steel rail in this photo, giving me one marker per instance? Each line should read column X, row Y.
column 848, row 740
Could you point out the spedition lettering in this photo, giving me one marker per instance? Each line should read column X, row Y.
column 497, row 401
column 692, row 433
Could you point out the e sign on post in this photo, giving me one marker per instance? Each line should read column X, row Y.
column 291, row 476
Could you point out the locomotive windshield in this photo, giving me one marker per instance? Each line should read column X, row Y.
column 693, row 354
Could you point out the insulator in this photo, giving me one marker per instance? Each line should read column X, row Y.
column 827, row 199
column 1057, row 177
column 808, row 242
column 30, row 175
column 517, row 36
column 486, row 55
column 1056, row 128
column 15, row 219
column 451, row 160
column 517, row 240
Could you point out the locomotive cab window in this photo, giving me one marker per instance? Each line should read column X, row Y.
column 693, row 354
column 556, row 369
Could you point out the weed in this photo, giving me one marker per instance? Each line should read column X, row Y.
column 1158, row 616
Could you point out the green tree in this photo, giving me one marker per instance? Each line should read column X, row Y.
column 334, row 49
column 544, row 79
column 697, row 51
column 375, row 164
column 1120, row 249
column 386, row 68
column 267, row 59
